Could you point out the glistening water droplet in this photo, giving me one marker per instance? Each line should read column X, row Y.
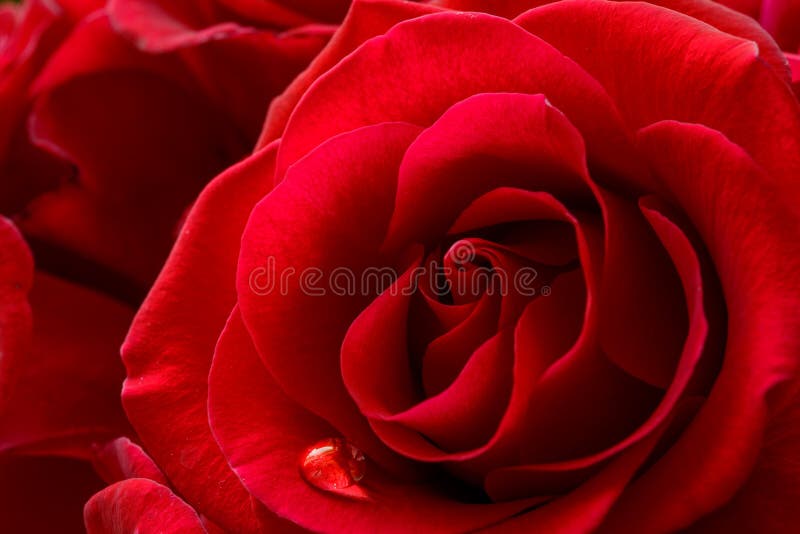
column 334, row 465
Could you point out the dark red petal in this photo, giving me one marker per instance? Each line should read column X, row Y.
column 466, row 413
column 159, row 27
column 365, row 20
column 169, row 348
column 729, row 69
column 484, row 54
column 44, row 494
column 243, row 74
column 263, row 434
column 139, row 505
column 583, row 510
column 94, row 46
column 64, row 394
column 582, row 405
column 122, row 459
column 550, row 477
column 781, row 18
column 641, row 308
column 240, row 67
column 446, row 355
column 331, row 215
column 34, row 29
column 751, row 240
column 327, row 10
column 16, row 279
column 764, row 502
column 157, row 148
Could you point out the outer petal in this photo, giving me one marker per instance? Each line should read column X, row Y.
column 169, row 348
column 750, row 238
column 144, row 139
column 676, row 55
column 765, row 502
column 140, row 505
column 29, row 34
column 331, row 213
column 366, row 19
column 242, row 75
column 160, row 27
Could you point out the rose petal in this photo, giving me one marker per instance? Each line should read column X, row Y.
column 466, row 414
column 526, row 480
column 754, row 262
column 642, row 311
column 330, row 215
column 365, row 20
column 122, row 459
column 584, row 509
column 484, row 54
column 16, row 279
column 763, row 504
column 140, row 505
column 123, row 165
column 728, row 68
column 464, row 155
column 243, row 74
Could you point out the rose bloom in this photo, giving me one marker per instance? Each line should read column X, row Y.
column 640, row 158
column 112, row 118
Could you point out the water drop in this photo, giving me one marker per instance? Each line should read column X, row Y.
column 334, row 465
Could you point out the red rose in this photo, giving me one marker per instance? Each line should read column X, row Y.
column 108, row 130
column 638, row 161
